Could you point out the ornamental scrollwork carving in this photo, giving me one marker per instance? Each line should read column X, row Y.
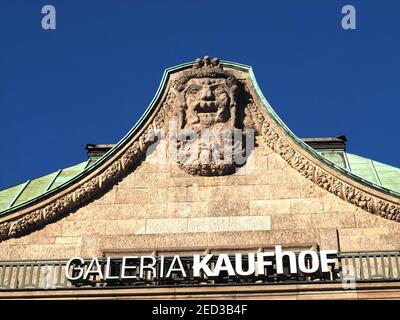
column 286, row 151
column 63, row 205
column 303, row 166
column 325, row 180
column 358, row 198
column 329, row 183
column 388, row 211
column 271, row 137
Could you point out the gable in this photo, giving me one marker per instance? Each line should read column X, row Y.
column 254, row 113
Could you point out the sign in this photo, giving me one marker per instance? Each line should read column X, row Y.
column 209, row 265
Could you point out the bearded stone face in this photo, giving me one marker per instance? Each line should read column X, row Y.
column 207, row 101
column 206, row 109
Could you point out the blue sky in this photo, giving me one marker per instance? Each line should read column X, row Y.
column 89, row 80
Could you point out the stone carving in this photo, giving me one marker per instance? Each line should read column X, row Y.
column 358, row 198
column 329, row 183
column 206, row 96
column 303, row 166
column 88, row 190
column 388, row 211
column 224, row 111
column 208, row 113
column 253, row 117
column 285, row 151
column 271, row 137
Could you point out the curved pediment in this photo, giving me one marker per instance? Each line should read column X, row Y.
column 205, row 94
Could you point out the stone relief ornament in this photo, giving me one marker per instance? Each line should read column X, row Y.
column 209, row 108
column 204, row 97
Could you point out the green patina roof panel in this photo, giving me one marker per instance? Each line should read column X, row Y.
column 7, row 196
column 362, row 167
column 337, row 157
column 388, row 175
column 370, row 170
column 31, row 189
column 67, row 174
column 34, row 188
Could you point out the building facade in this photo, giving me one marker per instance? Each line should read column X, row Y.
column 165, row 191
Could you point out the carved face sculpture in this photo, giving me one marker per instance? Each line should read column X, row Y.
column 207, row 101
